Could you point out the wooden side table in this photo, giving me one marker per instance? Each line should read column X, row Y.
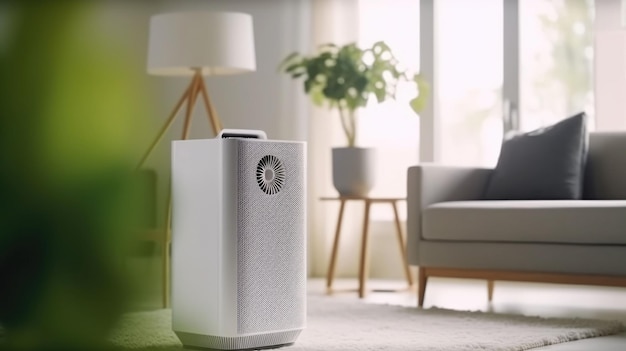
column 364, row 260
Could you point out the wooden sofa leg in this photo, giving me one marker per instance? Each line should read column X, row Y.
column 490, row 290
column 421, row 286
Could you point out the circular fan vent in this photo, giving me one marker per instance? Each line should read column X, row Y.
column 270, row 174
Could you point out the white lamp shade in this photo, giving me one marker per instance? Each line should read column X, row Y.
column 217, row 43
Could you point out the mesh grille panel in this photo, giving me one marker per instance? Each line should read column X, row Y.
column 271, row 261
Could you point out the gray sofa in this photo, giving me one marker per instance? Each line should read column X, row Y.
column 453, row 233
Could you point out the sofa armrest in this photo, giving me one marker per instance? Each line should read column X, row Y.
column 431, row 183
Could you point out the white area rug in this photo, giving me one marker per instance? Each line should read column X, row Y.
column 339, row 324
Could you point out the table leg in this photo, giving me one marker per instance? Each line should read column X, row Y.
column 364, row 266
column 333, row 256
column 405, row 262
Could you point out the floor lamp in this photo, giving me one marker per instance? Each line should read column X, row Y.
column 196, row 44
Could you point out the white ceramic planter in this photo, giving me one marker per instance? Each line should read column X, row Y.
column 354, row 170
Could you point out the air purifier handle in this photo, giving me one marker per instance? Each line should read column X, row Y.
column 242, row 133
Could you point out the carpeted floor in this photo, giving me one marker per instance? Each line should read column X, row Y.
column 336, row 324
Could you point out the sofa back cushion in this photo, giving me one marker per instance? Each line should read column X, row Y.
column 605, row 174
column 545, row 164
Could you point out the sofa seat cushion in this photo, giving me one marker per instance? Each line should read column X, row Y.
column 601, row 222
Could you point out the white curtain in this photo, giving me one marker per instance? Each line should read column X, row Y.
column 334, row 21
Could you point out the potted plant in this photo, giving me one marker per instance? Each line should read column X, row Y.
column 344, row 78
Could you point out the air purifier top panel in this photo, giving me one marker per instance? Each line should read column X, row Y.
column 242, row 133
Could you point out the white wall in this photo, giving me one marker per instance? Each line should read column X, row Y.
column 260, row 100
column 264, row 99
column 610, row 66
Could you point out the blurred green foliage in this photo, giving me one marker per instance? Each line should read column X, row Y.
column 345, row 77
column 68, row 113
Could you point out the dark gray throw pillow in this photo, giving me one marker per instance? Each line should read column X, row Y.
column 545, row 164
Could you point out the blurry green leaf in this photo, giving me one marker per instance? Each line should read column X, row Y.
column 287, row 60
column 419, row 102
column 291, row 68
column 317, row 97
column 68, row 137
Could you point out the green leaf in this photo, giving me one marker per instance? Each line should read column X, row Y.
column 317, row 97
column 419, row 102
column 287, row 60
column 380, row 93
column 327, row 46
column 308, row 84
column 294, row 66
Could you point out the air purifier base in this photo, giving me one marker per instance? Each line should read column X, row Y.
column 250, row 342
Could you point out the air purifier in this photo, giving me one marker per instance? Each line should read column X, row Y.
column 238, row 241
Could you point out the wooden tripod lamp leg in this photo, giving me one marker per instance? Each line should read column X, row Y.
column 167, row 125
column 165, row 252
column 191, row 102
column 216, row 124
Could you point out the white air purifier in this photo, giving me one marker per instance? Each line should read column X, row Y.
column 238, row 241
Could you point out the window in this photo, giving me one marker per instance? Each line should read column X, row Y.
column 552, row 80
column 469, row 65
column 556, row 60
